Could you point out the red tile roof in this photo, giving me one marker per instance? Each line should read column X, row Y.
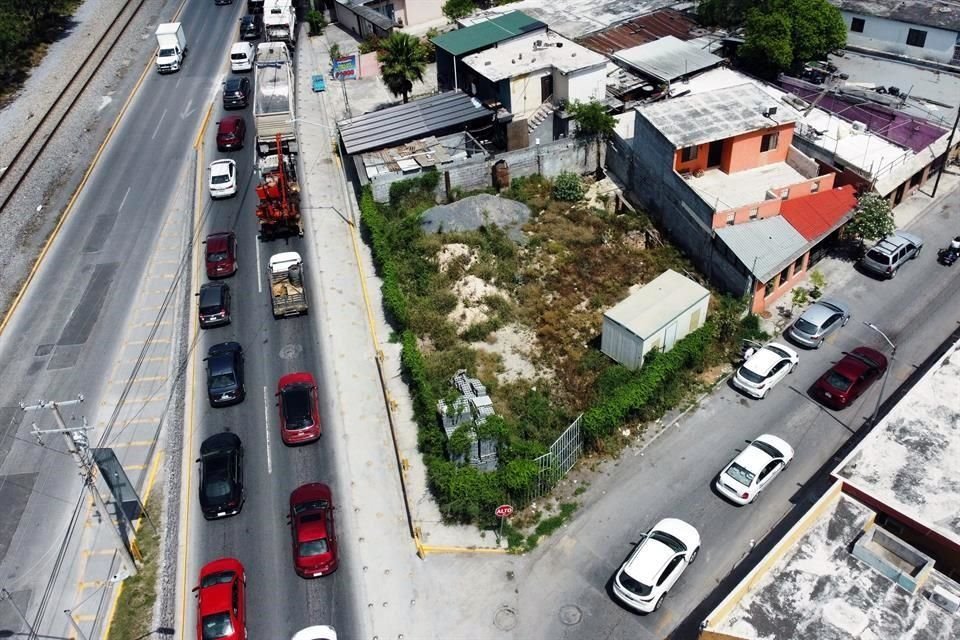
column 640, row 30
column 818, row 214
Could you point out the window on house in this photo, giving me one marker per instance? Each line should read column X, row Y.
column 785, row 275
column 769, row 141
column 754, row 214
column 916, row 38
column 769, row 287
column 730, row 218
column 856, row 25
column 688, row 153
column 798, row 265
column 785, row 194
column 815, row 186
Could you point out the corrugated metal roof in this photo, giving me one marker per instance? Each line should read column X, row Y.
column 486, row 34
column 765, row 246
column 817, row 215
column 668, row 58
column 652, row 306
column 717, row 115
column 416, row 119
column 640, row 30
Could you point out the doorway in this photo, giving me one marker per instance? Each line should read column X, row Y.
column 546, row 87
column 670, row 337
column 715, row 155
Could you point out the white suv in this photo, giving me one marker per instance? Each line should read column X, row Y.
column 655, row 565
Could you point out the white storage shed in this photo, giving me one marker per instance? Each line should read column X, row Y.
column 655, row 315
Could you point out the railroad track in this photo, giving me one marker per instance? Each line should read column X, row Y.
column 34, row 145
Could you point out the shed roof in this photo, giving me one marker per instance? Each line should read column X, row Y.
column 716, row 115
column 930, row 13
column 487, row 33
column 640, row 30
column 668, row 58
column 765, row 246
column 818, row 214
column 416, row 119
column 514, row 59
column 652, row 306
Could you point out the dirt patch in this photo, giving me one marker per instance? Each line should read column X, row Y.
column 516, row 347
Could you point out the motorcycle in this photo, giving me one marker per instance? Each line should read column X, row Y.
column 948, row 255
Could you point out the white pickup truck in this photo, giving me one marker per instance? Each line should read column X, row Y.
column 171, row 47
column 287, row 291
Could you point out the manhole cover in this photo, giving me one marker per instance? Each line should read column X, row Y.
column 290, row 351
column 570, row 614
column 505, row 618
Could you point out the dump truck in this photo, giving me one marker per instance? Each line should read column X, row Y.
column 171, row 47
column 278, row 196
column 273, row 101
column 287, row 290
column 280, row 21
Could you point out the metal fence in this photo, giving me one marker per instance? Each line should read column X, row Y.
column 563, row 454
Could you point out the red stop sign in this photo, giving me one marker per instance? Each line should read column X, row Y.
column 504, row 511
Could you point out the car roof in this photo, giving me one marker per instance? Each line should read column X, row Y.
column 311, row 525
column 219, row 597
column 648, row 560
column 233, row 83
column 316, row 632
column 762, row 361
column 229, row 123
column 914, row 239
column 818, row 312
column 221, row 362
column 218, row 241
column 220, row 442
column 241, row 47
column 753, row 459
column 850, row 366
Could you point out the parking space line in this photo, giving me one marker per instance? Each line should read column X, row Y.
column 141, row 379
column 132, row 401
column 84, row 617
column 120, row 208
column 159, row 122
column 129, row 343
column 92, row 584
column 135, row 443
column 266, row 429
column 150, row 359
column 143, row 325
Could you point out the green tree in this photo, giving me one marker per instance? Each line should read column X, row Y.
column 872, row 219
column 593, row 123
column 456, row 9
column 724, row 13
column 767, row 48
column 404, row 59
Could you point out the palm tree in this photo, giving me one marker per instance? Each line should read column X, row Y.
column 404, row 59
column 593, row 123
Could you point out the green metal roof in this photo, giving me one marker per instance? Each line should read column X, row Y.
column 488, row 33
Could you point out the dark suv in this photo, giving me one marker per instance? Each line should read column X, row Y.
column 221, row 475
column 236, row 93
column 225, row 374
column 251, row 26
column 214, row 307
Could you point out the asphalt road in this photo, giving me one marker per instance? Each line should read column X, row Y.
column 673, row 477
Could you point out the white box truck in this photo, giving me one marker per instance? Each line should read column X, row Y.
column 280, row 21
column 171, row 47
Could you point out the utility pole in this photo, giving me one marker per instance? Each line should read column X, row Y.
column 886, row 374
column 73, row 623
column 78, row 446
column 946, row 154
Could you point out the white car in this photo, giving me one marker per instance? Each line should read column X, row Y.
column 223, row 178
column 655, row 565
column 318, row 632
column 754, row 469
column 765, row 368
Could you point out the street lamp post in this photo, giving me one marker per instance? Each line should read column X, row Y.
column 883, row 383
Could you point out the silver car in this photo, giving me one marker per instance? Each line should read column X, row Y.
column 818, row 321
column 887, row 256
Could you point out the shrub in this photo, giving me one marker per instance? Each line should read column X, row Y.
column 568, row 187
column 316, row 21
column 456, row 9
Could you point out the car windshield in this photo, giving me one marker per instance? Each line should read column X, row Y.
column 634, row 586
column 777, row 350
column 166, row 53
column 740, row 474
column 751, row 376
column 221, row 178
column 217, row 625
column 238, row 56
column 311, row 506
column 878, row 256
column 805, row 326
column 216, row 488
column 838, row 381
column 668, row 540
column 221, row 577
column 223, row 381
column 767, row 449
column 217, row 257
column 313, row 548
column 296, row 407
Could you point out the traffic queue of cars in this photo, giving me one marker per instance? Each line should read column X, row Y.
column 221, row 590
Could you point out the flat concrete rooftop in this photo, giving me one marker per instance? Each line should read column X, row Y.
column 511, row 59
column 730, row 190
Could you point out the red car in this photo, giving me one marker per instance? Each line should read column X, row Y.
column 222, row 601
column 299, row 412
column 849, row 377
column 221, row 254
column 314, row 535
column 230, row 133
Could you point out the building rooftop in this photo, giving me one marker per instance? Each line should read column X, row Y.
column 487, row 33
column 667, row 59
column 417, row 155
column 909, row 460
column 811, row 586
column 649, row 307
column 415, row 119
column 512, row 59
column 931, row 13
column 641, row 30
column 818, row 214
column 724, row 191
column 766, row 246
column 699, row 118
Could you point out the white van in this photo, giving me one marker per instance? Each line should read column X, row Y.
column 242, row 55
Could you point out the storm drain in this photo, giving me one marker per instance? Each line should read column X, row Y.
column 505, row 618
column 570, row 614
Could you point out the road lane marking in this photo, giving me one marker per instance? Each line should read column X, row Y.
column 159, row 122
column 257, row 251
column 266, row 429
column 120, row 208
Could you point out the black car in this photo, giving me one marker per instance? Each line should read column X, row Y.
column 218, row 2
column 214, row 307
column 225, row 374
column 251, row 26
column 221, row 475
column 236, row 93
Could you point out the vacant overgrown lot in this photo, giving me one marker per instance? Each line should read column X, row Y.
column 525, row 318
